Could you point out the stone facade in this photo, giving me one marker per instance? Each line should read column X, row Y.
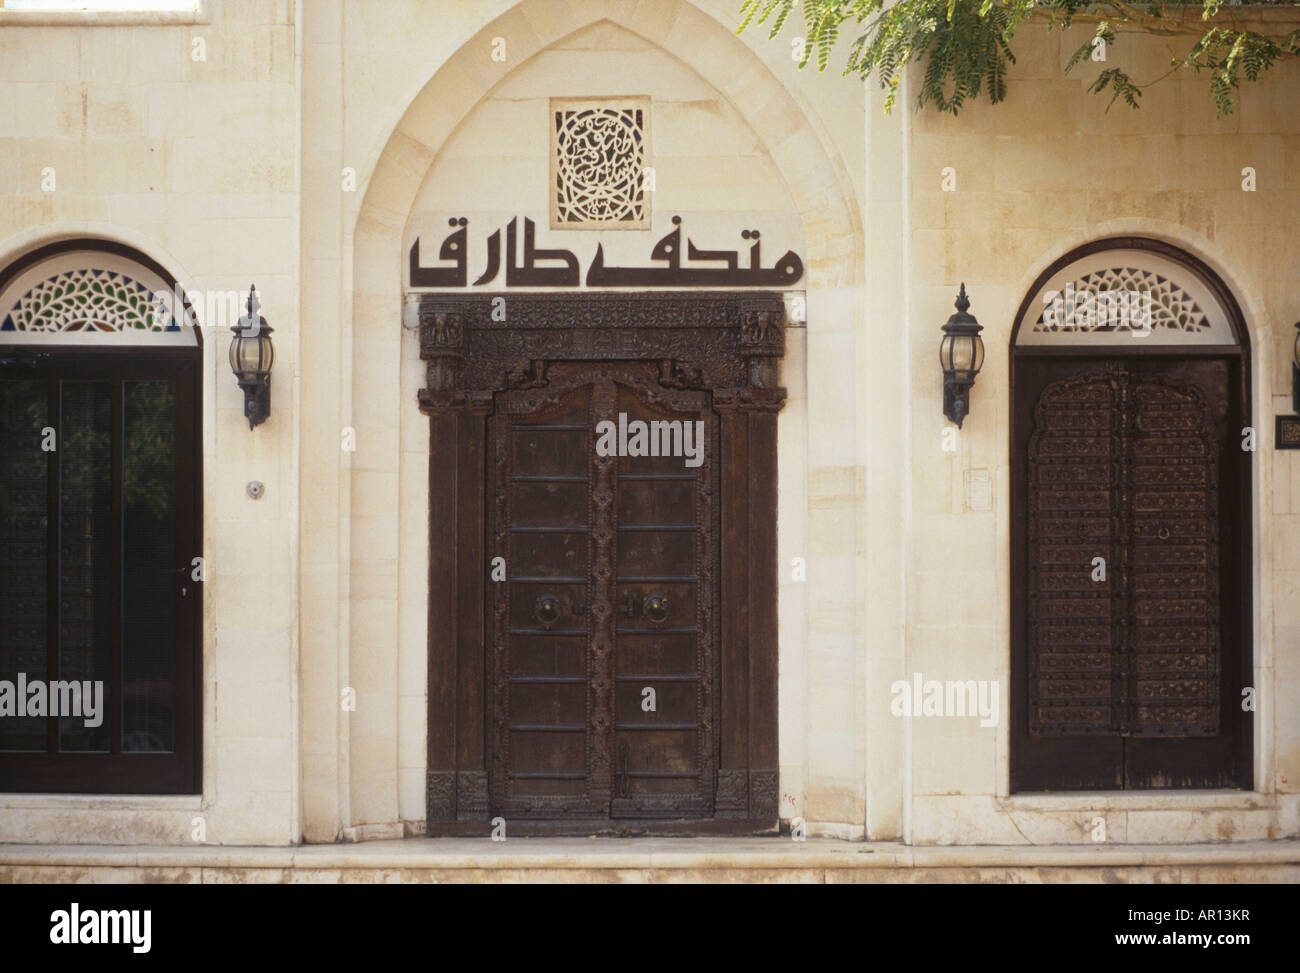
column 317, row 139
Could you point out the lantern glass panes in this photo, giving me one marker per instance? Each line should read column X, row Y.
column 961, row 352
column 251, row 351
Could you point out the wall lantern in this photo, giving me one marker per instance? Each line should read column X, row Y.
column 961, row 353
column 1295, row 371
column 251, row 355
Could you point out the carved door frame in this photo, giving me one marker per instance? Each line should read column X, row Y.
column 1237, row 665
column 728, row 343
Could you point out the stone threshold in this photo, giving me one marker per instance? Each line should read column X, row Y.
column 648, row 859
column 1190, row 800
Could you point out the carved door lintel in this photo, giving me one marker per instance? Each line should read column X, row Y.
column 729, row 343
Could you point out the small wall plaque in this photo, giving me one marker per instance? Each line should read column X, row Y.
column 1287, row 433
column 979, row 490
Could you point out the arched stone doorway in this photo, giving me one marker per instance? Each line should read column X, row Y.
column 386, row 497
column 1131, row 512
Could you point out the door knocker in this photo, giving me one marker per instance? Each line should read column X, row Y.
column 655, row 607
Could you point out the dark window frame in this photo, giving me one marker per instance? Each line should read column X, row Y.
column 117, row 772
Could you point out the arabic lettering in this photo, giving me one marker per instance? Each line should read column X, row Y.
column 453, row 248
column 560, row 268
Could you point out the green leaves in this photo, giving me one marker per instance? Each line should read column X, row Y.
column 965, row 44
column 1104, row 33
column 1121, row 86
column 1226, row 54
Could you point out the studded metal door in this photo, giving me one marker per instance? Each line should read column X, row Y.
column 602, row 631
column 1125, row 527
column 1123, row 558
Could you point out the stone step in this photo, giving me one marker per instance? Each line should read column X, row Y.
column 642, row 860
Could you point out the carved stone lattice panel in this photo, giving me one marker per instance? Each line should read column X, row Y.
column 88, row 300
column 1123, row 468
column 1122, row 299
column 599, row 157
column 1130, row 292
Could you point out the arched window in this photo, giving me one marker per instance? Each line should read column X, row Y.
column 1131, row 512
column 1127, row 292
column 99, row 524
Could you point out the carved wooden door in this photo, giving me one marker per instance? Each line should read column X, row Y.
column 1129, row 615
column 602, row 623
column 602, row 633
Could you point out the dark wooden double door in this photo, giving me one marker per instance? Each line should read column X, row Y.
column 1131, row 571
column 603, row 637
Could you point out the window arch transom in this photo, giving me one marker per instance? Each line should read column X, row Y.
column 90, row 296
column 1121, row 295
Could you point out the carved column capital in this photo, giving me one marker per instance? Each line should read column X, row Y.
column 442, row 339
column 762, row 326
column 762, row 341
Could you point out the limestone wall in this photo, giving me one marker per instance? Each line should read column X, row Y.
column 739, row 140
column 1048, row 170
column 310, row 175
column 181, row 140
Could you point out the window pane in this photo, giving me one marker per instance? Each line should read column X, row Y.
column 24, row 473
column 85, row 545
column 100, row 4
column 147, row 578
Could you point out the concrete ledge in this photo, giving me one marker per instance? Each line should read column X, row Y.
column 653, row 860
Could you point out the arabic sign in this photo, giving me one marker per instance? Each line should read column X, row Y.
column 536, row 267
